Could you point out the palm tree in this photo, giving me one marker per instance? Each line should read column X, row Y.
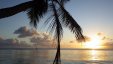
column 57, row 17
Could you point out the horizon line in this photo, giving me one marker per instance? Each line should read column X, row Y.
column 55, row 49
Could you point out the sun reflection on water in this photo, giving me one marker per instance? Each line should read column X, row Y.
column 94, row 54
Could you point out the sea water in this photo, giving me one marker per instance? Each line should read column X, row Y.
column 46, row 56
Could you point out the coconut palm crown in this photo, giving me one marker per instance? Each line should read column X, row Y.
column 58, row 16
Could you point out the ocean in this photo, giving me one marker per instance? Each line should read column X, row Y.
column 46, row 56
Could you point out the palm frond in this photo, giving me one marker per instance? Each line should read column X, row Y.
column 73, row 25
column 69, row 22
column 62, row 2
column 37, row 11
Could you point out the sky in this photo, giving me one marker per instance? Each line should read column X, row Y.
column 94, row 16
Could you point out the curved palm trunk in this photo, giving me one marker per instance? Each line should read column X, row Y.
column 6, row 12
column 57, row 59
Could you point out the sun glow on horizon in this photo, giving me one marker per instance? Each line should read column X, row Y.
column 94, row 43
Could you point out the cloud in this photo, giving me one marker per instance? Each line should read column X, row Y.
column 43, row 40
column 108, row 45
column 37, row 38
column 12, row 43
column 103, row 38
column 99, row 34
column 25, row 32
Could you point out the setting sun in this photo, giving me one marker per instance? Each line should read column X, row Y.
column 94, row 43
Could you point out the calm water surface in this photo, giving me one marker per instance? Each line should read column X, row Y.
column 47, row 56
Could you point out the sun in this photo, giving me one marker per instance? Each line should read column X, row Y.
column 94, row 43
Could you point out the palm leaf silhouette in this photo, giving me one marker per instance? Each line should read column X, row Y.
column 37, row 11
